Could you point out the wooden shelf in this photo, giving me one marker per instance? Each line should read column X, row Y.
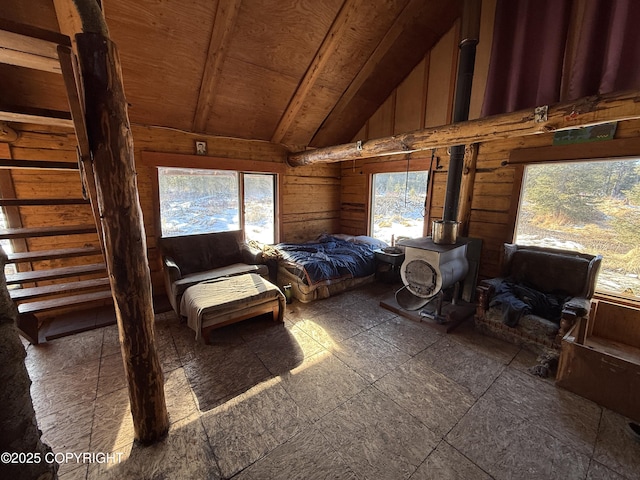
column 22, row 294
column 63, row 302
column 25, row 202
column 40, row 255
column 52, row 273
column 11, row 233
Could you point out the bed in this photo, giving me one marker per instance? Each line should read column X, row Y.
column 326, row 266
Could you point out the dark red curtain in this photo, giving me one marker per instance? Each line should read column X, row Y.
column 530, row 45
column 527, row 54
column 607, row 57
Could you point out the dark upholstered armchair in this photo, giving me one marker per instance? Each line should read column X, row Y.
column 191, row 259
column 539, row 295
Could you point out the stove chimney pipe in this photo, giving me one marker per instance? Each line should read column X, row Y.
column 466, row 61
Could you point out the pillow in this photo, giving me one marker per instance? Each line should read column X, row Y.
column 344, row 236
column 372, row 242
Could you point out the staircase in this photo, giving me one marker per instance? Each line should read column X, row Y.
column 49, row 280
column 60, row 268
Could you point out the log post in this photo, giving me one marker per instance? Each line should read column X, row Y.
column 124, row 239
column 466, row 187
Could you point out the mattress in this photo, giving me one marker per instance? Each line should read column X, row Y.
column 326, row 266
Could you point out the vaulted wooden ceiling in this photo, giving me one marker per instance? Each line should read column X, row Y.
column 298, row 72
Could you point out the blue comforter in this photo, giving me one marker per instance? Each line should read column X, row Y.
column 329, row 258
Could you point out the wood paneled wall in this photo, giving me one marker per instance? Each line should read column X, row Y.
column 309, row 196
column 37, row 142
column 424, row 99
column 496, row 191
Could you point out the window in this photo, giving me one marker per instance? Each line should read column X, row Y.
column 592, row 207
column 397, row 204
column 202, row 201
column 259, row 207
column 7, row 246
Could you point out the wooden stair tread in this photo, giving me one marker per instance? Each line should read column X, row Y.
column 35, row 292
column 51, row 273
column 62, row 302
column 27, row 232
column 21, row 202
column 18, row 257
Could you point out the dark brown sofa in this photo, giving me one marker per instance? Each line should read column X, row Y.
column 569, row 275
column 191, row 259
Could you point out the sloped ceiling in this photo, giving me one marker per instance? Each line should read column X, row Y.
column 298, row 72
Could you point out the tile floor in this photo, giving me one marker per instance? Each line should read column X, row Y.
column 343, row 390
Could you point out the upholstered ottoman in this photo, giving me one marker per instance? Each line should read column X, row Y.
column 223, row 301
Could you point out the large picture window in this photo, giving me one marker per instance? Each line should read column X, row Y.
column 196, row 201
column 397, row 204
column 592, row 207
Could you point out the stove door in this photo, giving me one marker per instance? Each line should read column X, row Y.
column 421, row 278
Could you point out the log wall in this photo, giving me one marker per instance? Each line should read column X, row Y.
column 496, row 191
column 308, row 200
column 38, row 142
column 424, row 99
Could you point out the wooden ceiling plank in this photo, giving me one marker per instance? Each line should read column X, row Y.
column 226, row 15
column 329, row 46
column 381, row 50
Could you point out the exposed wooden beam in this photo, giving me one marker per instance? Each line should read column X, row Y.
column 378, row 54
column 68, row 18
column 7, row 134
column 30, row 47
column 38, row 116
column 363, row 94
column 223, row 24
column 330, row 44
column 563, row 116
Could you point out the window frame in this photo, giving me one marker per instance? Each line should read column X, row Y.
column 202, row 162
column 398, row 166
column 611, row 150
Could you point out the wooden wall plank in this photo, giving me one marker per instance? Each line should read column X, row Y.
column 381, row 122
column 407, row 117
column 439, row 92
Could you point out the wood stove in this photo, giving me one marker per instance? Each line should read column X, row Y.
column 429, row 269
